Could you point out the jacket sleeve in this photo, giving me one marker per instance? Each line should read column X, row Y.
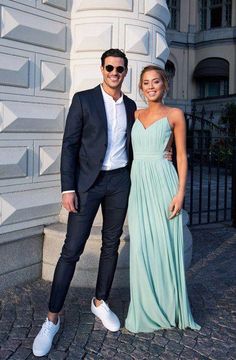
column 71, row 144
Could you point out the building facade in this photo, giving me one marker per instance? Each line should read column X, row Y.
column 202, row 62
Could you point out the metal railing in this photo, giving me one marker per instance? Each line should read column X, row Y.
column 211, row 184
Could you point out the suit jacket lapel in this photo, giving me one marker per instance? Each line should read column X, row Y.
column 100, row 106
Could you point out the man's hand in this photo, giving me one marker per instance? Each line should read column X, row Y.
column 70, row 202
column 169, row 154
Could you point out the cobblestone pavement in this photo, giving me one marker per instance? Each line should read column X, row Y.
column 212, row 291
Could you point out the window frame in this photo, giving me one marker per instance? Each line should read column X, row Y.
column 205, row 10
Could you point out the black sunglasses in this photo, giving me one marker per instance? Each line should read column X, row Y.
column 119, row 69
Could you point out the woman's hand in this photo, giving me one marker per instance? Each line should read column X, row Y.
column 176, row 205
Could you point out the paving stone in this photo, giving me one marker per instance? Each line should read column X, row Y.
column 159, row 340
column 155, row 349
column 21, row 354
column 57, row 355
column 188, row 341
column 5, row 326
column 107, row 352
column 5, row 354
column 126, row 338
column 22, row 322
column 11, row 344
column 232, row 353
column 3, row 337
column 218, row 355
column 80, row 340
column 125, row 348
column 173, row 335
column 212, row 293
column 142, row 345
column 168, row 355
column 138, row 354
column 203, row 349
column 111, row 343
column 85, row 328
column 146, row 336
column 174, row 347
column 19, row 333
column 76, row 353
column 188, row 354
column 122, row 356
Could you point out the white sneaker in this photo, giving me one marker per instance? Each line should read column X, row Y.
column 43, row 341
column 108, row 318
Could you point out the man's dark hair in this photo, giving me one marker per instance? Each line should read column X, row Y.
column 115, row 53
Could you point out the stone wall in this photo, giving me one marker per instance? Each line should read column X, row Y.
column 34, row 95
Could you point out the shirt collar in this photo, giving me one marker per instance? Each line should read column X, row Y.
column 108, row 97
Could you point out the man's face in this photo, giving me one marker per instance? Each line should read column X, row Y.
column 113, row 72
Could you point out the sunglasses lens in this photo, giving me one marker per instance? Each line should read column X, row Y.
column 109, row 68
column 120, row 69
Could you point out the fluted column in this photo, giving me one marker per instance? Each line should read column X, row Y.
column 137, row 27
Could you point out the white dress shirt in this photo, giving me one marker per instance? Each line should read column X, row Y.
column 116, row 155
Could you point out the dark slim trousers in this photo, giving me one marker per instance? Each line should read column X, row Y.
column 111, row 191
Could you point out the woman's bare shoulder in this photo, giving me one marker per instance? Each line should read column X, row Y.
column 175, row 114
column 137, row 113
column 172, row 111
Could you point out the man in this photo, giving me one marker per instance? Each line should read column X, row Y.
column 95, row 163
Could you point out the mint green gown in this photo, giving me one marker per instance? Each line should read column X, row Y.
column 158, row 291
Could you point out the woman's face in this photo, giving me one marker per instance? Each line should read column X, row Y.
column 152, row 86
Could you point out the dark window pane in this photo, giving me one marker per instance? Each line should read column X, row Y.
column 203, row 19
column 216, row 2
column 174, row 6
column 210, row 87
column 216, row 16
column 213, row 88
column 228, row 12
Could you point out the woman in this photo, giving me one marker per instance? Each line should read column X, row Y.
column 157, row 279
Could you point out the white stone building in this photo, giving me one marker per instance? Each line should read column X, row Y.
column 48, row 50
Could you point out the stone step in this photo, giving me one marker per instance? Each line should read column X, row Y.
column 86, row 269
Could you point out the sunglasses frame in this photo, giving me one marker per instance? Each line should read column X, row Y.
column 118, row 68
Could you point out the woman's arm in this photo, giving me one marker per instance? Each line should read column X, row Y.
column 177, row 118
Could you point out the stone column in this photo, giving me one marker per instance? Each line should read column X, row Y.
column 136, row 26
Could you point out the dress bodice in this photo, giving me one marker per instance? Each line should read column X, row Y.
column 150, row 141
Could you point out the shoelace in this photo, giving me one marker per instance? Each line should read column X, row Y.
column 46, row 328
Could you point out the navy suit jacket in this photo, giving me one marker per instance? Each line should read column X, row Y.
column 85, row 139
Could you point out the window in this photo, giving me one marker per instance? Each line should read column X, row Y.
column 174, row 8
column 215, row 13
column 170, row 71
column 210, row 88
column 212, row 77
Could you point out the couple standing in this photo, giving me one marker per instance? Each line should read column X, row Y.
column 95, row 170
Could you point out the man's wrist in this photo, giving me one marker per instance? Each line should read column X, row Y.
column 68, row 191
